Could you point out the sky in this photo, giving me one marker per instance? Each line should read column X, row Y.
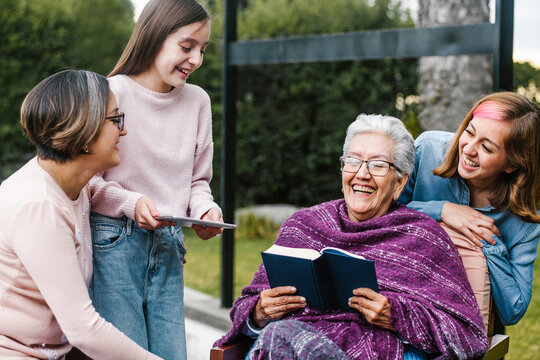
column 526, row 39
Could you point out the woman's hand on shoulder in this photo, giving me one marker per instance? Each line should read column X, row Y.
column 275, row 303
column 374, row 306
column 474, row 225
column 145, row 213
column 208, row 232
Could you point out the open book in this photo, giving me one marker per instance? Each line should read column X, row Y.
column 326, row 278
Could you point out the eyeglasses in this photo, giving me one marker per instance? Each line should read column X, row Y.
column 374, row 167
column 118, row 119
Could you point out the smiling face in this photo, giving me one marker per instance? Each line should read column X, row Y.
column 370, row 196
column 181, row 54
column 482, row 153
column 104, row 152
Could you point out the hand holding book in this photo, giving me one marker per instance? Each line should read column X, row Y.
column 374, row 306
column 326, row 278
column 275, row 303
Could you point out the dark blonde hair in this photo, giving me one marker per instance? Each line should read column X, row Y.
column 158, row 19
column 65, row 112
column 518, row 191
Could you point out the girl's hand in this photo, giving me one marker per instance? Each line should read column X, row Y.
column 207, row 232
column 374, row 306
column 471, row 223
column 145, row 213
column 275, row 303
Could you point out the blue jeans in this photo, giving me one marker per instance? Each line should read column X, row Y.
column 138, row 283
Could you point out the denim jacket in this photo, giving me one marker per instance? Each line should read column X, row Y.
column 511, row 259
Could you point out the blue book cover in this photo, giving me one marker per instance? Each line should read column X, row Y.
column 326, row 278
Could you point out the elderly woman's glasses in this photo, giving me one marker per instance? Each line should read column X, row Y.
column 118, row 119
column 375, row 167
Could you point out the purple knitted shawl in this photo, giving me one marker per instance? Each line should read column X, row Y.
column 418, row 270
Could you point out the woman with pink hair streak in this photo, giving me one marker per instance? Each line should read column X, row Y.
column 481, row 185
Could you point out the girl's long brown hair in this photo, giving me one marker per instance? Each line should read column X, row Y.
column 518, row 191
column 158, row 19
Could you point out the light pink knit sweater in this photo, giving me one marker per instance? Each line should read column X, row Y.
column 166, row 155
column 45, row 269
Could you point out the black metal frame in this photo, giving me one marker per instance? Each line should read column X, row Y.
column 485, row 38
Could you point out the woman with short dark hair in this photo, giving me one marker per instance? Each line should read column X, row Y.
column 45, row 245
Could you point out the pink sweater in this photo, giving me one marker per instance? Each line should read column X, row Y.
column 45, row 269
column 166, row 155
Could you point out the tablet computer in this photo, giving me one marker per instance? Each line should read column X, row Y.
column 188, row 222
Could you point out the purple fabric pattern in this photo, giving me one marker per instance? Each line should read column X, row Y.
column 293, row 339
column 418, row 270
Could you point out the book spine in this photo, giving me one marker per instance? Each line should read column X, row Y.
column 314, row 268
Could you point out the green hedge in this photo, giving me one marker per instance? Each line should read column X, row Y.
column 40, row 37
column 292, row 117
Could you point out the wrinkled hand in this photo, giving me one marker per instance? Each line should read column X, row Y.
column 207, row 232
column 374, row 306
column 275, row 303
column 474, row 225
column 145, row 213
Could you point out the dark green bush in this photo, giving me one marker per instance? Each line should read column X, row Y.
column 292, row 117
column 40, row 37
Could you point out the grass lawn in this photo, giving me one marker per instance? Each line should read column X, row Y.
column 202, row 270
column 525, row 336
column 203, row 267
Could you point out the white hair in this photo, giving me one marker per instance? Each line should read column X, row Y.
column 403, row 156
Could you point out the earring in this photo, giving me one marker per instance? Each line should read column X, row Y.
column 85, row 149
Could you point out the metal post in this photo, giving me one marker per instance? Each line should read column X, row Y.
column 503, row 65
column 228, row 153
column 503, row 74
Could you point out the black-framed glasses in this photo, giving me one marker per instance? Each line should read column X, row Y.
column 375, row 167
column 118, row 119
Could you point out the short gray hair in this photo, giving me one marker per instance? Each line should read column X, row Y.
column 403, row 156
column 65, row 112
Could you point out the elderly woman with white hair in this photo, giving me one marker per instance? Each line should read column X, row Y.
column 425, row 306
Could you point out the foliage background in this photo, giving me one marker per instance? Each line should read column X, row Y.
column 291, row 117
column 40, row 37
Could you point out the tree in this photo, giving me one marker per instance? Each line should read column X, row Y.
column 102, row 31
column 450, row 85
column 527, row 80
column 292, row 117
column 41, row 37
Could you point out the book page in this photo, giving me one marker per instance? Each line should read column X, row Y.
column 294, row 252
column 337, row 251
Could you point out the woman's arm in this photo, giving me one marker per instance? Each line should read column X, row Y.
column 432, row 208
column 111, row 199
column 201, row 199
column 47, row 251
column 474, row 225
column 201, row 202
column 511, row 275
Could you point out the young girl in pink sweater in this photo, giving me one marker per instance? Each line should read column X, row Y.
column 166, row 169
